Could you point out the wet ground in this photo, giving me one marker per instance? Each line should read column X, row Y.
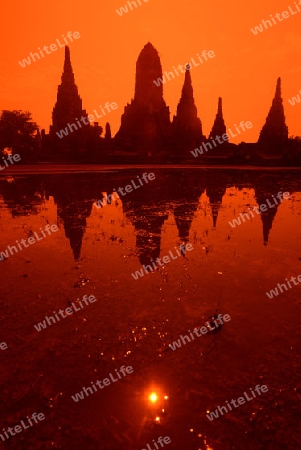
column 132, row 323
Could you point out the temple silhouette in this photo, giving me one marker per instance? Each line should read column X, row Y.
column 146, row 119
column 147, row 134
column 274, row 133
column 186, row 126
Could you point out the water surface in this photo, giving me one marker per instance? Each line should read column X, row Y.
column 133, row 321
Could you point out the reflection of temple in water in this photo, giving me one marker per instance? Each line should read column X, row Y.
column 175, row 192
column 147, row 221
column 265, row 188
column 185, row 196
column 74, row 219
column 215, row 192
column 73, row 208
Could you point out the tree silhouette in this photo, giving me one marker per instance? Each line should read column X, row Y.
column 17, row 131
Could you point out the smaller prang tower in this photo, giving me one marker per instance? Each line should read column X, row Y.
column 219, row 127
column 67, row 113
column 186, row 126
column 274, row 134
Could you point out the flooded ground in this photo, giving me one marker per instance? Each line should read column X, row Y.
column 95, row 252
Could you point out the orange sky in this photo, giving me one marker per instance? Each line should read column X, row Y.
column 243, row 72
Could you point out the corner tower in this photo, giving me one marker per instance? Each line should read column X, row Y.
column 274, row 133
column 186, row 119
column 68, row 107
column 219, row 127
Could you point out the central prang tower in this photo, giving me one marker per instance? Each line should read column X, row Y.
column 145, row 124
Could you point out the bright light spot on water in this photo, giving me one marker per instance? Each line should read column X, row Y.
column 153, row 397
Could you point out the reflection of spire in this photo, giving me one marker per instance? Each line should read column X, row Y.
column 267, row 217
column 74, row 219
column 215, row 192
column 73, row 206
column 184, row 215
column 75, row 235
column 266, row 186
column 148, row 209
column 148, row 224
column 215, row 209
column 267, row 223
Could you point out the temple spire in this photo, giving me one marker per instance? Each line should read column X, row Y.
column 274, row 133
column 148, row 69
column 145, row 124
column 278, row 89
column 187, row 90
column 186, row 107
column 219, row 127
column 68, row 107
column 187, row 127
column 219, row 107
column 68, row 75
